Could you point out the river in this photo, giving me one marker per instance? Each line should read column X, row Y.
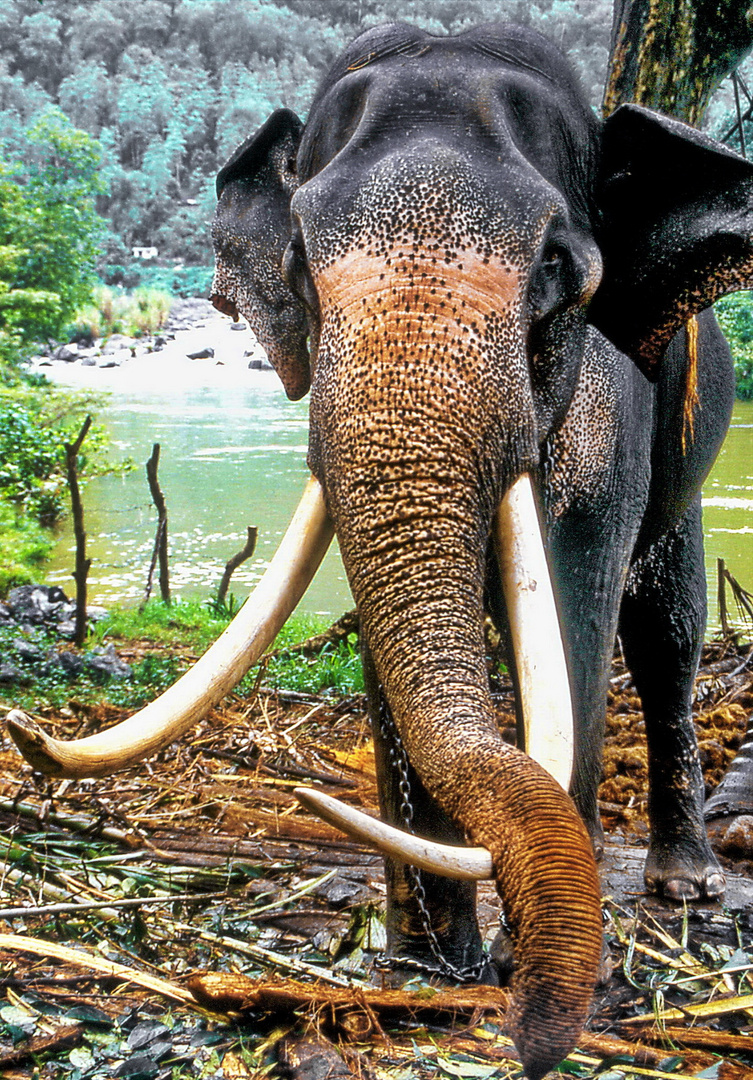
column 234, row 454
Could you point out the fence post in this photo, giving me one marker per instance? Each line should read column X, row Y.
column 81, row 570
column 160, row 540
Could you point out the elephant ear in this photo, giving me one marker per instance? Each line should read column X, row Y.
column 675, row 229
column 251, row 231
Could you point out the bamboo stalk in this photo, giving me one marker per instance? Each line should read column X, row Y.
column 50, row 951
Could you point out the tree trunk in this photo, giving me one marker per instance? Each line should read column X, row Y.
column 671, row 55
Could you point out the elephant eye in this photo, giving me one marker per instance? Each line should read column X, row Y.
column 553, row 257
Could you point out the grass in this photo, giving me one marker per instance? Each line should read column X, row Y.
column 24, row 547
column 184, row 630
column 112, row 311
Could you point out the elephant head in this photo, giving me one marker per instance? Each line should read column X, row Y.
column 435, row 252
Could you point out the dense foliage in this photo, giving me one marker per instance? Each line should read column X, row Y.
column 169, row 87
column 49, row 228
column 735, row 314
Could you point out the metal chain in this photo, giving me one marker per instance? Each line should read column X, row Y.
column 399, row 761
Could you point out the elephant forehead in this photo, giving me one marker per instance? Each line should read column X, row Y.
column 428, row 197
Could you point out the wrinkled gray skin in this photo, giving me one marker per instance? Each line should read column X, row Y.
column 492, row 281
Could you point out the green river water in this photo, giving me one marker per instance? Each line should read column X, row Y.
column 233, row 454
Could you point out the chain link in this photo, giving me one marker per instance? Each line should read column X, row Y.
column 399, row 762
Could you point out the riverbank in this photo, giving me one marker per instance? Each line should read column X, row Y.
column 197, row 347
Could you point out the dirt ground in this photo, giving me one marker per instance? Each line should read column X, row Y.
column 203, row 860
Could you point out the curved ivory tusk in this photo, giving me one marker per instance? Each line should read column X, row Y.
column 216, row 673
column 463, row 864
column 534, row 627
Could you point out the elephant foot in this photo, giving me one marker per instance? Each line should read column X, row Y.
column 684, row 871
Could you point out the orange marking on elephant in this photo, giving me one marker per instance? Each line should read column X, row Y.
column 416, row 286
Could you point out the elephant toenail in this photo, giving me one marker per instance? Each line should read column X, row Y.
column 715, row 885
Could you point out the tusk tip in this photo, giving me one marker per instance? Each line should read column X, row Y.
column 33, row 743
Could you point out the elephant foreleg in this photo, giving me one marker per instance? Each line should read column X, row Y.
column 662, row 623
column 430, row 921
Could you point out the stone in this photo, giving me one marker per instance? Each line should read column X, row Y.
column 9, row 673
column 201, row 354
column 116, row 343
column 36, row 604
column 107, row 664
column 71, row 663
column 66, row 354
column 89, row 361
column 26, row 651
column 238, row 326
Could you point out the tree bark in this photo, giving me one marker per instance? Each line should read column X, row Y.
column 671, row 55
column 81, row 570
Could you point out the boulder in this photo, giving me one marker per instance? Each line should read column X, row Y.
column 107, row 664
column 65, row 353
column 36, row 604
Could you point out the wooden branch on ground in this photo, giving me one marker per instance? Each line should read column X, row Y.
column 237, row 560
column 342, row 628
column 83, row 564
column 160, row 540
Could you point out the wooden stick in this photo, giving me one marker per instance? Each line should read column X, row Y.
column 83, row 564
column 233, row 563
column 49, row 951
column 160, row 540
column 101, row 905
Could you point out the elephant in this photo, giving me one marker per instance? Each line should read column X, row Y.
column 500, row 306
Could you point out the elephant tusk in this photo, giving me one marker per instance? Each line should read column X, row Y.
column 221, row 667
column 463, row 864
column 534, row 627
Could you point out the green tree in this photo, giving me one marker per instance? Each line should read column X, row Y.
column 49, row 228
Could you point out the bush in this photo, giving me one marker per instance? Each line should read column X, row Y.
column 24, row 547
column 735, row 314
column 36, row 421
column 114, row 312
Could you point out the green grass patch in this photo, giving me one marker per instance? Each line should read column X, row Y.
column 113, row 311
column 40, row 681
column 24, row 548
column 183, row 625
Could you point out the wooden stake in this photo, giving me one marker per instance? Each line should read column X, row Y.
column 81, row 570
column 237, row 560
column 160, row 540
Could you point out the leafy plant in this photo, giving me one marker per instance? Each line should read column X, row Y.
column 735, row 314
column 24, row 547
column 49, row 227
column 112, row 311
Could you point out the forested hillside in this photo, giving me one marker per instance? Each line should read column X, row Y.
column 169, row 87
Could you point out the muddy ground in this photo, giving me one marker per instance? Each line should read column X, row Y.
column 202, row 860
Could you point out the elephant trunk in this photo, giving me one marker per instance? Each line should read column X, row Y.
column 413, row 470
column 429, row 657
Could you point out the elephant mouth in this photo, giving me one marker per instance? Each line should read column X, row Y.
column 224, row 305
column 542, row 674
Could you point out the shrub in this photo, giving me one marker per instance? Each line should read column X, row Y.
column 735, row 314
column 24, row 547
column 112, row 311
